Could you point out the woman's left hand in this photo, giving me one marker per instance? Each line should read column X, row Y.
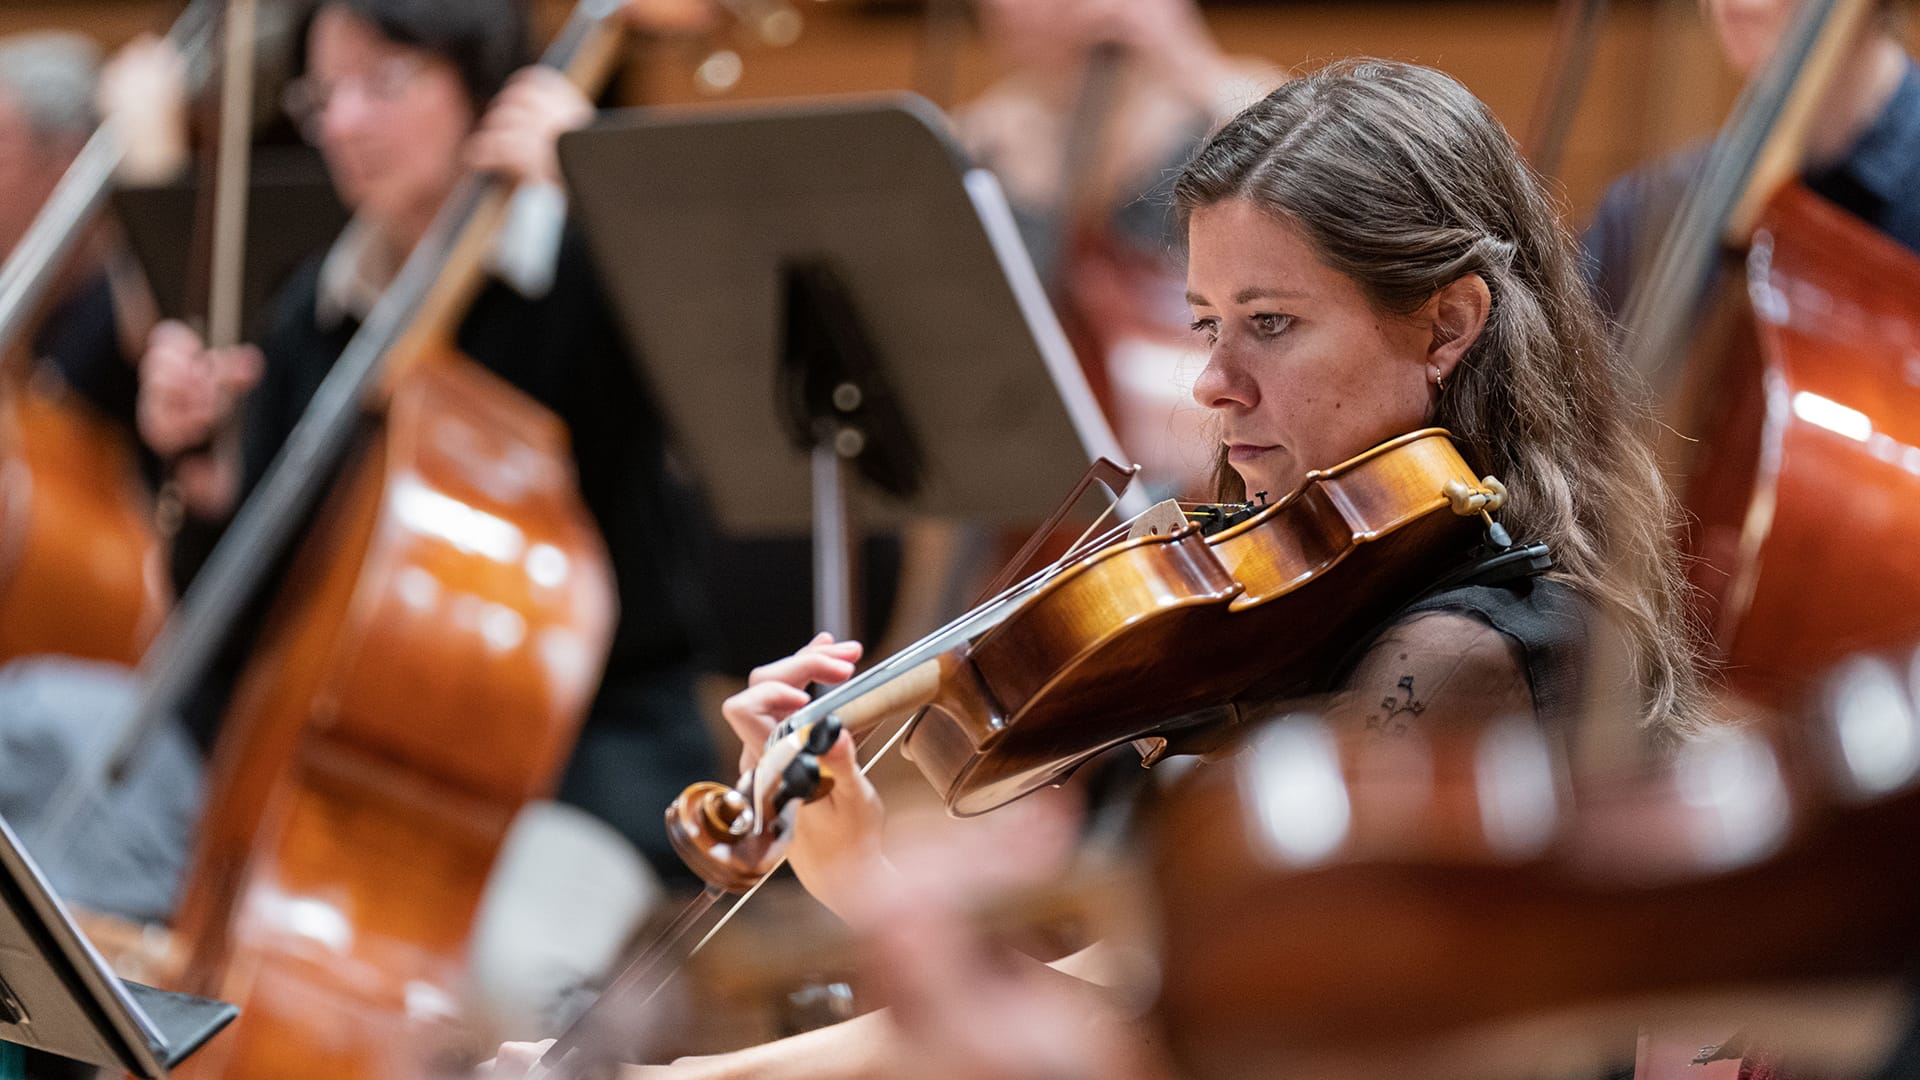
column 518, row 136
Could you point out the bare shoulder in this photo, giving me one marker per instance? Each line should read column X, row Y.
column 1437, row 668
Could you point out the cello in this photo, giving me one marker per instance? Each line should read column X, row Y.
column 81, row 567
column 420, row 678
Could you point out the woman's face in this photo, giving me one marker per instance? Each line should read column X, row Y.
column 389, row 119
column 1302, row 373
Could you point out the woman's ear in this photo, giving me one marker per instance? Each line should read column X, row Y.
column 1458, row 315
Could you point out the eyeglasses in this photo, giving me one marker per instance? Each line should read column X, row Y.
column 306, row 99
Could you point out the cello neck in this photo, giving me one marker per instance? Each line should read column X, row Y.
column 38, row 259
column 1758, row 147
column 448, row 267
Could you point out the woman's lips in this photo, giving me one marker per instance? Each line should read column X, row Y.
column 1247, row 451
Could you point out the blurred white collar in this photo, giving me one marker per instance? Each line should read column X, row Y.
column 356, row 271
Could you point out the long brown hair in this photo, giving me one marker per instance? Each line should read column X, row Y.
column 1404, row 181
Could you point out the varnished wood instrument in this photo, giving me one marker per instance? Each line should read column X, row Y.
column 81, row 570
column 421, row 676
column 1153, row 636
column 1462, row 905
column 1792, row 383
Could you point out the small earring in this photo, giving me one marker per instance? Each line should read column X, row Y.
column 1439, row 384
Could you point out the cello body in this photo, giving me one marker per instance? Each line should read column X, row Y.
column 423, row 676
column 1805, row 497
column 81, row 571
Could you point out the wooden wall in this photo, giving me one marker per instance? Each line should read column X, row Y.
column 1656, row 80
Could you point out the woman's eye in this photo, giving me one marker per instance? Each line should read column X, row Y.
column 1271, row 325
column 1208, row 329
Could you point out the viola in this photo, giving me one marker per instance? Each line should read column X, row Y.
column 1154, row 637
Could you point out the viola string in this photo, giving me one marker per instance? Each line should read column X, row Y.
column 590, row 1027
column 866, row 766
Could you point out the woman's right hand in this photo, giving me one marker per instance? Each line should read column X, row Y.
column 187, row 392
column 836, row 838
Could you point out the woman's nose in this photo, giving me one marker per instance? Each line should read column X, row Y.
column 1223, row 383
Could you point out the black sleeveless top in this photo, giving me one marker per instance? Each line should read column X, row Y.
column 1544, row 618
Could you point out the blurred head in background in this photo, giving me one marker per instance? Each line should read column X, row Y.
column 391, row 89
column 46, row 114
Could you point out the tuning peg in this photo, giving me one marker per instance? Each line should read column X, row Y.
column 799, row 780
column 824, row 735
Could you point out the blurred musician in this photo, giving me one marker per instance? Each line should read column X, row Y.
column 396, row 95
column 1100, row 104
column 96, row 318
column 83, row 350
column 1862, row 152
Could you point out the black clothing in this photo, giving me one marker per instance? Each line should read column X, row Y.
column 1543, row 617
column 81, row 341
column 1875, row 182
column 565, row 351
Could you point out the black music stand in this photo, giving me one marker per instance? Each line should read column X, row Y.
column 292, row 214
column 826, row 290
column 58, row 996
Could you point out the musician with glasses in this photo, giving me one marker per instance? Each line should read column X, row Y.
column 403, row 98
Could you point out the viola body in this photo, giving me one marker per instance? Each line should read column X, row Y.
column 81, row 570
column 1161, row 633
column 423, row 675
column 1806, row 496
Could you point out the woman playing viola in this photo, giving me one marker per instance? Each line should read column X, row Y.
column 1367, row 255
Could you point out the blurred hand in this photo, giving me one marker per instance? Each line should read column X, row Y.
column 187, row 392
column 143, row 95
column 665, row 17
column 515, row 1060
column 836, row 838
column 967, row 1006
column 518, row 135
